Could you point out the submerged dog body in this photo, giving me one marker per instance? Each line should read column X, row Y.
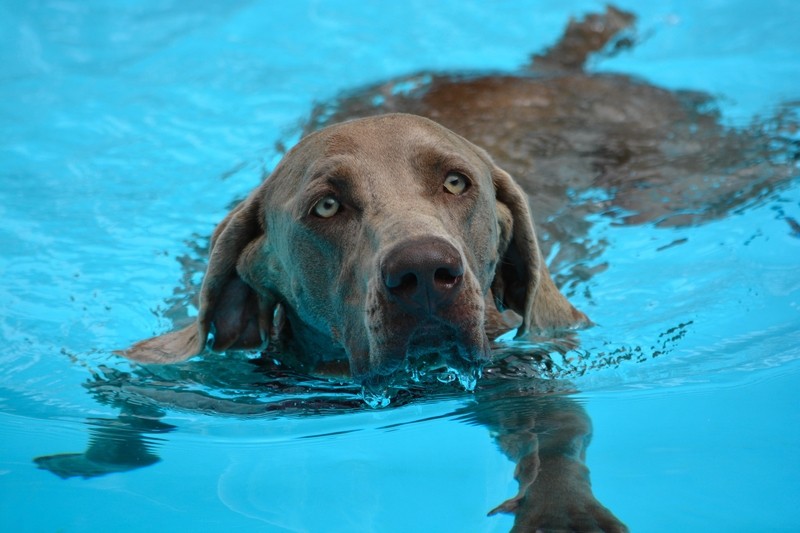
column 384, row 239
column 393, row 235
column 379, row 239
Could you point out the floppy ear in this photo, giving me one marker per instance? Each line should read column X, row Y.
column 235, row 314
column 522, row 282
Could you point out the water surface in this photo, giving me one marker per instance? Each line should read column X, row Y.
column 129, row 130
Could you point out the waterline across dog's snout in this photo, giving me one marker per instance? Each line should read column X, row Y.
column 378, row 390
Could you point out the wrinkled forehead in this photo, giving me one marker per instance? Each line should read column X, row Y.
column 391, row 140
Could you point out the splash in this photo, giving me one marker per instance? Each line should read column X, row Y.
column 377, row 391
column 469, row 377
column 420, row 374
column 376, row 399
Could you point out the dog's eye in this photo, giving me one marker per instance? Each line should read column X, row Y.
column 456, row 183
column 327, row 207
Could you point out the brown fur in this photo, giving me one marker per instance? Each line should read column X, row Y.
column 648, row 154
column 314, row 287
column 388, row 172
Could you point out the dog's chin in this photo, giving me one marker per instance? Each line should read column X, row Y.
column 432, row 350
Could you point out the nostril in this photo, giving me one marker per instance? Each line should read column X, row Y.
column 422, row 274
column 445, row 278
column 403, row 285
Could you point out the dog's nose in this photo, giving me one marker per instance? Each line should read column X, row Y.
column 423, row 274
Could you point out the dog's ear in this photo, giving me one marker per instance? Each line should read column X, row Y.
column 236, row 316
column 522, row 282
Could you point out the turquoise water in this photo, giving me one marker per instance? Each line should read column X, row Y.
column 129, row 129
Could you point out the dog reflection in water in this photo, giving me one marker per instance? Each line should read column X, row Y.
column 541, row 429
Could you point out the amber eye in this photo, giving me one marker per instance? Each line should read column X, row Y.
column 327, row 207
column 456, row 183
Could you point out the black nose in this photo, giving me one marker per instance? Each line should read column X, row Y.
column 422, row 274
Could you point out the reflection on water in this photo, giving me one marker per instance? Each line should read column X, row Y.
column 537, row 426
column 115, row 445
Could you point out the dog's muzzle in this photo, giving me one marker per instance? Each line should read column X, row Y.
column 423, row 275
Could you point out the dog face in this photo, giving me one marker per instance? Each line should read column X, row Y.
column 382, row 239
column 386, row 241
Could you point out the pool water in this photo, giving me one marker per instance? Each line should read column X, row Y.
column 129, row 130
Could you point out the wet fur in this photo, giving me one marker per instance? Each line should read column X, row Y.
column 388, row 171
column 656, row 156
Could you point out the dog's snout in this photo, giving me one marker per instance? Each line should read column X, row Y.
column 423, row 274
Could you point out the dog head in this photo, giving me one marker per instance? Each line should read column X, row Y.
column 381, row 239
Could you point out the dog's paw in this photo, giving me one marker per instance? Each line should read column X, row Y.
column 572, row 517
column 560, row 499
column 509, row 506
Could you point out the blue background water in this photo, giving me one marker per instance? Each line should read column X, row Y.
column 128, row 128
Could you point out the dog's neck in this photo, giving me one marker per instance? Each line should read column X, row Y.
column 303, row 348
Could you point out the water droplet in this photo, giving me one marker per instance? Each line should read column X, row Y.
column 469, row 377
column 414, row 371
column 376, row 393
column 376, row 401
